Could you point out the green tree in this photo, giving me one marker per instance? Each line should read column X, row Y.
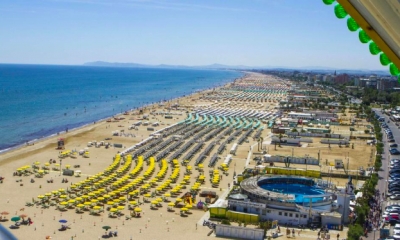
column 355, row 232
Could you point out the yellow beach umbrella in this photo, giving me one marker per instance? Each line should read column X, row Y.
column 61, row 190
column 47, row 194
column 71, row 201
column 167, row 195
column 178, row 199
column 100, row 198
column 120, row 207
column 113, row 210
column 133, row 202
column 110, row 203
column 171, row 204
column 121, row 198
column 106, row 196
column 117, row 200
column 147, row 195
column 88, row 203
column 96, row 207
column 41, row 196
column 154, row 202
column 78, row 199
column 37, row 163
column 188, row 206
column 63, row 196
column 94, row 201
column 159, row 199
column 64, row 203
column 80, row 205
column 184, row 209
column 137, row 209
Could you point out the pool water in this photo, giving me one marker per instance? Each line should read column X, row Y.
column 299, row 190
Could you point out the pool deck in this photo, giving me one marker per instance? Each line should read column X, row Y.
column 250, row 186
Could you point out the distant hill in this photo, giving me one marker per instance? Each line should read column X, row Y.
column 236, row 67
column 138, row 65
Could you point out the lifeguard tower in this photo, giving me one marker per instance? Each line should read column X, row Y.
column 60, row 143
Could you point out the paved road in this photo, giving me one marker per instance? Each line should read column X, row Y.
column 383, row 175
column 382, row 184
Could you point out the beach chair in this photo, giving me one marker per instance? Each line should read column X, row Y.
column 29, row 204
column 79, row 210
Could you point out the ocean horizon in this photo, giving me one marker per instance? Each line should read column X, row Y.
column 38, row 101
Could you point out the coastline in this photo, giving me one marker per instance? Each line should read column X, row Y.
column 54, row 135
column 154, row 223
column 5, row 154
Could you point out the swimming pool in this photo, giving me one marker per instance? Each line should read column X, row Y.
column 299, row 190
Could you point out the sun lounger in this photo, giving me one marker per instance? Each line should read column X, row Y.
column 78, row 210
column 29, row 204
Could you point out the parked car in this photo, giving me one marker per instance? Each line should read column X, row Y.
column 394, row 151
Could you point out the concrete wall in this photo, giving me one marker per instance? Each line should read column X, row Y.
column 239, row 232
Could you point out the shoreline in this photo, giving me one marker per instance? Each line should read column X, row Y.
column 161, row 222
column 89, row 126
column 102, row 120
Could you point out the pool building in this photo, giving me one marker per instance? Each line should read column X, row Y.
column 291, row 200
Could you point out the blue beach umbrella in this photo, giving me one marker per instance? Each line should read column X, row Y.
column 63, row 221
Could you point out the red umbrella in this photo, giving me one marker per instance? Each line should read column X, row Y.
column 23, row 216
column 4, row 213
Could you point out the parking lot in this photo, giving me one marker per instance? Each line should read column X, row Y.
column 390, row 175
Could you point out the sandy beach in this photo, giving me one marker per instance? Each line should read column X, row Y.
column 154, row 223
column 16, row 191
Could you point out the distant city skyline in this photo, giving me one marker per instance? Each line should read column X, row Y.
column 287, row 33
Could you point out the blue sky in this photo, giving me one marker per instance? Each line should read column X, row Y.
column 292, row 33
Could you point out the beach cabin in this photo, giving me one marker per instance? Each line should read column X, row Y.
column 234, row 148
column 156, row 124
column 218, row 209
column 78, row 173
column 145, row 123
column 304, row 116
column 318, row 130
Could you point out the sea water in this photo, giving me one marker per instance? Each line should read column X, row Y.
column 37, row 101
